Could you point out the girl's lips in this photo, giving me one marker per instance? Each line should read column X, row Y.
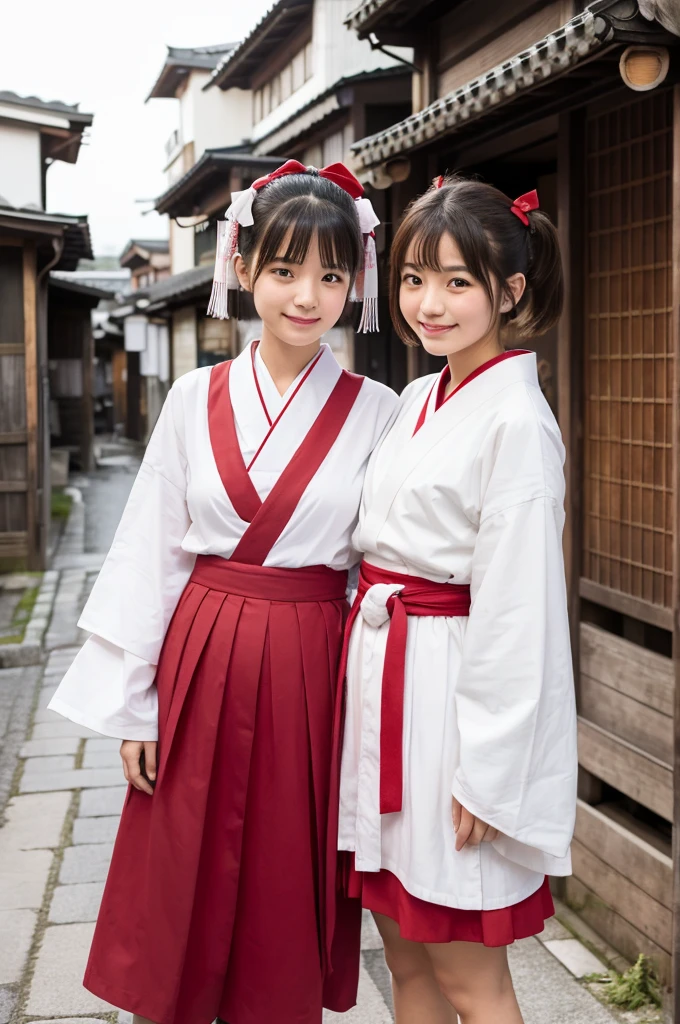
column 436, row 328
column 301, row 320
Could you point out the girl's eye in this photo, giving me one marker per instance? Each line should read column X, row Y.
column 411, row 279
column 459, row 282
column 282, row 272
column 332, row 278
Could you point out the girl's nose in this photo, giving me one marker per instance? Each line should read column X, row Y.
column 432, row 303
column 306, row 296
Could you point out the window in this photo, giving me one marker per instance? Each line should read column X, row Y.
column 291, row 78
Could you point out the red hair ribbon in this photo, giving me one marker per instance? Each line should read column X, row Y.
column 337, row 173
column 438, row 182
column 523, row 205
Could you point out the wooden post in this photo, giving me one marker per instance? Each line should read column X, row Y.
column 675, row 329
column 571, row 229
column 32, row 398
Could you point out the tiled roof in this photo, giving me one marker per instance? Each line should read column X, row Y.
column 49, row 106
column 274, row 27
column 549, row 57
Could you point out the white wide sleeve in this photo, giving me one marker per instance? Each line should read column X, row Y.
column 515, row 694
column 109, row 687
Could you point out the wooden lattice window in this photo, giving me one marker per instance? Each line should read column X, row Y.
column 628, row 351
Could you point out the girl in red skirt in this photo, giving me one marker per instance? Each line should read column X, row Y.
column 216, row 627
column 459, row 757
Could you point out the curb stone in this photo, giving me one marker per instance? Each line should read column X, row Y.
column 30, row 650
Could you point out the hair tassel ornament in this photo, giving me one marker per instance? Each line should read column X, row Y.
column 240, row 214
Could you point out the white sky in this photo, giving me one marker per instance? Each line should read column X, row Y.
column 106, row 57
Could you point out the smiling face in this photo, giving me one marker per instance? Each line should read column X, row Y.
column 447, row 308
column 297, row 302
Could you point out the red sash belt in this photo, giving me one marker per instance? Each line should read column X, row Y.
column 269, row 583
column 418, row 597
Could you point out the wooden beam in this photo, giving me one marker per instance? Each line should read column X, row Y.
column 623, row 895
column 13, row 437
column 12, row 350
column 609, row 835
column 31, row 356
column 13, row 544
column 570, row 206
column 627, row 718
column 627, row 768
column 675, row 339
column 13, row 486
column 628, row 668
column 654, row 614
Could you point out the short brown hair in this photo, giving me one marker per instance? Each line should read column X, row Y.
column 494, row 244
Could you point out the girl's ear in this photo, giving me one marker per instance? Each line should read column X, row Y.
column 513, row 292
column 241, row 271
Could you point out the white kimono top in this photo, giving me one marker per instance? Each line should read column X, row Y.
column 475, row 497
column 179, row 508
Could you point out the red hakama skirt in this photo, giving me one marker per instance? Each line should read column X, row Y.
column 421, row 921
column 214, row 903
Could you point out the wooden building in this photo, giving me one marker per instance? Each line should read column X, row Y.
column 70, row 362
column 148, row 261
column 33, row 134
column 315, row 89
column 584, row 105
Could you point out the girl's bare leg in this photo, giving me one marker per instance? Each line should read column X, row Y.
column 417, row 996
column 476, row 980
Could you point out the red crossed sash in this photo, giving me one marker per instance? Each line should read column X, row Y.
column 269, row 518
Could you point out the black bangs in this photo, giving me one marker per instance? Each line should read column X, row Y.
column 296, row 223
column 468, row 235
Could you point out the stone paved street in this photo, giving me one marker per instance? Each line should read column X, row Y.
column 59, row 825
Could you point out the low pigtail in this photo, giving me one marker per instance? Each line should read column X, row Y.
column 541, row 304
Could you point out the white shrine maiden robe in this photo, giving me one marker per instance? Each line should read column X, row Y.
column 178, row 509
column 475, row 497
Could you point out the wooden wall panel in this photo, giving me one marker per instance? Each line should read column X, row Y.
column 629, row 769
column 628, row 523
column 13, row 526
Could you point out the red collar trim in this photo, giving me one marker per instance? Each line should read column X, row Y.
column 445, row 376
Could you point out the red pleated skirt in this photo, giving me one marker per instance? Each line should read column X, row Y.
column 420, row 921
column 214, row 903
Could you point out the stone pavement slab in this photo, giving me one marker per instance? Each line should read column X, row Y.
column 103, row 759
column 23, row 877
column 16, row 936
column 102, row 743
column 7, row 1003
column 35, row 821
column 76, row 902
column 95, row 830
column 370, row 1008
column 548, row 993
column 77, row 778
column 72, row 1020
column 50, row 747
column 88, row 863
column 60, row 729
column 575, row 956
column 57, row 985
column 55, row 763
column 102, row 802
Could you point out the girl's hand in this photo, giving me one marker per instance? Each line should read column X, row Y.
column 470, row 831
column 137, row 754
